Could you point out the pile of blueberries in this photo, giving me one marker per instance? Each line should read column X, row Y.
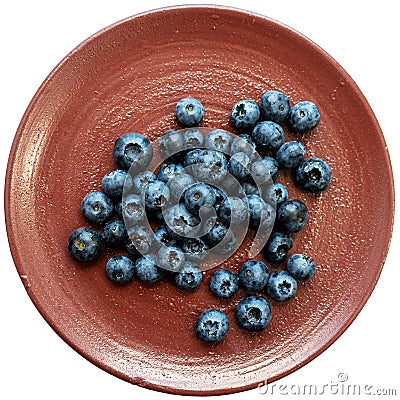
column 206, row 189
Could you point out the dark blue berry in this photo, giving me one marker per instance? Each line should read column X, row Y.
column 163, row 237
column 147, row 270
column 142, row 238
column 300, row 266
column 113, row 183
column 132, row 210
column 261, row 213
column 276, row 194
column 303, row 117
column 208, row 166
column 192, row 139
column 189, row 277
column 180, row 221
column 114, row 233
column 140, row 181
column 239, row 165
column 216, row 234
column 253, row 313
column 189, row 112
column 156, row 195
column 243, row 143
column 219, row 140
column 212, row 325
column 120, row 269
column 313, row 174
column 195, row 249
column 170, row 258
column 178, row 184
column 97, row 207
column 249, row 188
column 233, row 210
column 268, row 134
column 281, row 286
column 224, row 283
column 199, row 195
column 133, row 151
column 168, row 171
column 274, row 106
column 277, row 247
column 131, row 249
column 244, row 115
column 291, row 216
column 253, row 275
column 84, row 244
column 290, row 154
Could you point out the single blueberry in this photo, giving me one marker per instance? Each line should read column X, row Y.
column 291, row 216
column 208, row 166
column 97, row 207
column 277, row 247
column 163, row 237
column 142, row 238
column 140, row 181
column 239, row 165
column 290, row 154
column 244, row 115
column 180, row 221
column 243, row 143
column 276, row 194
column 253, row 313
column 253, row 275
column 300, row 266
column 189, row 277
column 168, row 171
column 212, row 325
column 219, row 140
column 189, row 112
column 216, row 234
column 195, row 249
column 261, row 214
column 170, row 258
column 192, row 139
column 313, row 174
column 224, row 283
column 263, row 169
column 114, row 233
column 156, row 195
column 233, row 210
column 132, row 210
column 113, row 183
column 281, row 286
column 120, row 269
column 274, row 106
column 84, row 244
column 303, row 117
column 268, row 134
column 133, row 151
column 147, row 270
column 199, row 195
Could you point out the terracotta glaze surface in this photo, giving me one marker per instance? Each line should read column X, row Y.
column 128, row 77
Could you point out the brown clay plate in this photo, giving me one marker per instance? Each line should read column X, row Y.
column 128, row 77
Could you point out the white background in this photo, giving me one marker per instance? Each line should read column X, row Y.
column 35, row 35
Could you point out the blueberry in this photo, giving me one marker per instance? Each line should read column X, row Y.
column 277, row 247
column 239, row 165
column 189, row 112
column 142, row 238
column 163, row 237
column 244, row 115
column 171, row 143
column 132, row 210
column 243, row 143
column 189, row 277
column 114, row 233
column 253, row 275
column 290, row 154
column 224, row 283
column 192, row 139
column 300, row 266
column 212, row 325
column 140, row 181
column 250, row 188
column 195, row 249
column 291, row 216
column 274, row 106
column 313, row 174
column 277, row 194
column 253, row 313
column 120, row 269
column 268, row 134
column 170, row 258
column 219, row 140
column 261, row 213
column 84, row 244
column 97, row 207
column 281, row 286
column 133, row 151
column 193, row 156
column 265, row 168
column 178, row 184
column 155, row 195
column 199, row 195
column 168, row 171
column 303, row 117
column 209, row 166
column 216, row 234
column 227, row 246
column 180, row 221
column 147, row 270
column 113, row 183
column 233, row 210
